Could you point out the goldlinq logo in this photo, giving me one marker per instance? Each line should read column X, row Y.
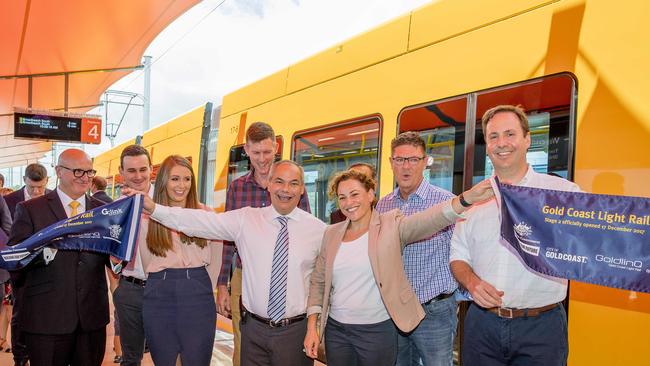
column 522, row 232
column 620, row 262
column 111, row 211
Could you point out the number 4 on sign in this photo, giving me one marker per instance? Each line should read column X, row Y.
column 91, row 130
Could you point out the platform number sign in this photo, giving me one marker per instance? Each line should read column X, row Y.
column 91, row 131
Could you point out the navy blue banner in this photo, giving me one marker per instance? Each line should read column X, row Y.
column 594, row 238
column 110, row 229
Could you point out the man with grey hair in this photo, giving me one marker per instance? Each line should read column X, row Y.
column 64, row 320
column 278, row 245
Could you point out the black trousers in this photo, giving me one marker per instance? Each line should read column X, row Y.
column 262, row 345
column 80, row 348
column 18, row 346
column 360, row 344
column 128, row 304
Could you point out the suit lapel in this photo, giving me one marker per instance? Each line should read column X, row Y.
column 56, row 206
column 334, row 245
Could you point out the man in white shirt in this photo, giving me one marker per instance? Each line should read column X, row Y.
column 135, row 168
column 509, row 299
column 275, row 269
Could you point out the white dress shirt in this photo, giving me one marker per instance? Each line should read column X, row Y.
column 138, row 268
column 50, row 253
column 477, row 241
column 254, row 230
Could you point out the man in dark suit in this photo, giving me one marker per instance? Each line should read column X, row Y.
column 35, row 180
column 65, row 309
column 98, row 188
column 5, row 217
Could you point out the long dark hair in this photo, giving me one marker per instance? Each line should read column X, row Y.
column 159, row 238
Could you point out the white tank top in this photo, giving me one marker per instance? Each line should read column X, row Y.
column 355, row 296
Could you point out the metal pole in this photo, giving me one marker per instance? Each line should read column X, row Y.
column 147, row 93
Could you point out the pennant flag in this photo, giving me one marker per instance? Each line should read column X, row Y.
column 110, row 229
column 594, row 238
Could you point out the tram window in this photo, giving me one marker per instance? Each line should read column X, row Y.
column 239, row 164
column 442, row 126
column 547, row 102
column 325, row 151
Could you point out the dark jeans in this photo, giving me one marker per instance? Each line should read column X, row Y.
column 526, row 341
column 360, row 344
column 262, row 345
column 180, row 316
column 128, row 305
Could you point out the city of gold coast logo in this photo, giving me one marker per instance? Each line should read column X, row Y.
column 522, row 232
column 115, row 231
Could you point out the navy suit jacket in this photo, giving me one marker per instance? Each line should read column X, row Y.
column 16, row 197
column 102, row 196
column 71, row 290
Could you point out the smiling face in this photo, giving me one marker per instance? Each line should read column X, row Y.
column 178, row 185
column 69, row 160
column 136, row 172
column 355, row 201
column 506, row 145
column 285, row 186
column 408, row 175
column 261, row 155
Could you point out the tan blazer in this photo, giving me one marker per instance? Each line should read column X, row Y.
column 388, row 234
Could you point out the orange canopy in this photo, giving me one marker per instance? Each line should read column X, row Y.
column 46, row 39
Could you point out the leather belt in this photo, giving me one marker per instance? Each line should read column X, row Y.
column 518, row 313
column 134, row 280
column 280, row 323
column 438, row 298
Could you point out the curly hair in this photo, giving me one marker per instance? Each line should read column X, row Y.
column 367, row 182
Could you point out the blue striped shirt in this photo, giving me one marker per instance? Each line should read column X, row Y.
column 426, row 262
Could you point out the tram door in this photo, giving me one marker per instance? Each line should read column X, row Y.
column 325, row 151
column 452, row 131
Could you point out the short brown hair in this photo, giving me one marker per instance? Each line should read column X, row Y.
column 99, row 182
column 408, row 138
column 134, row 150
column 259, row 131
column 516, row 109
column 35, row 172
column 367, row 182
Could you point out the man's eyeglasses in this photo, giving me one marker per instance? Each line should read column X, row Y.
column 78, row 173
column 411, row 160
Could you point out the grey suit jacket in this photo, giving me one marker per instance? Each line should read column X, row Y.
column 388, row 234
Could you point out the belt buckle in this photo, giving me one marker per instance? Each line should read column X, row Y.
column 504, row 313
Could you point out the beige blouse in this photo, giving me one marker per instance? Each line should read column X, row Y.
column 181, row 256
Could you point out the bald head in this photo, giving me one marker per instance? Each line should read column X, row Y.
column 70, row 155
column 72, row 160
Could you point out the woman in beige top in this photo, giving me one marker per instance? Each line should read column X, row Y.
column 179, row 311
column 358, row 286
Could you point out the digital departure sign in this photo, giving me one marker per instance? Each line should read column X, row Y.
column 46, row 126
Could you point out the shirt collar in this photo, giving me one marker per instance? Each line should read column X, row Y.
column 27, row 196
column 420, row 192
column 272, row 214
column 528, row 177
column 65, row 200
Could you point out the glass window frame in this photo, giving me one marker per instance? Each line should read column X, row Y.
column 342, row 124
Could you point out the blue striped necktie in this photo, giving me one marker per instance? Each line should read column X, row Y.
column 278, row 289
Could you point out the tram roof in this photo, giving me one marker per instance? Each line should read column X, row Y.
column 94, row 42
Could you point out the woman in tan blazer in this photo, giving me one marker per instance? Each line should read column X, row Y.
column 358, row 286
